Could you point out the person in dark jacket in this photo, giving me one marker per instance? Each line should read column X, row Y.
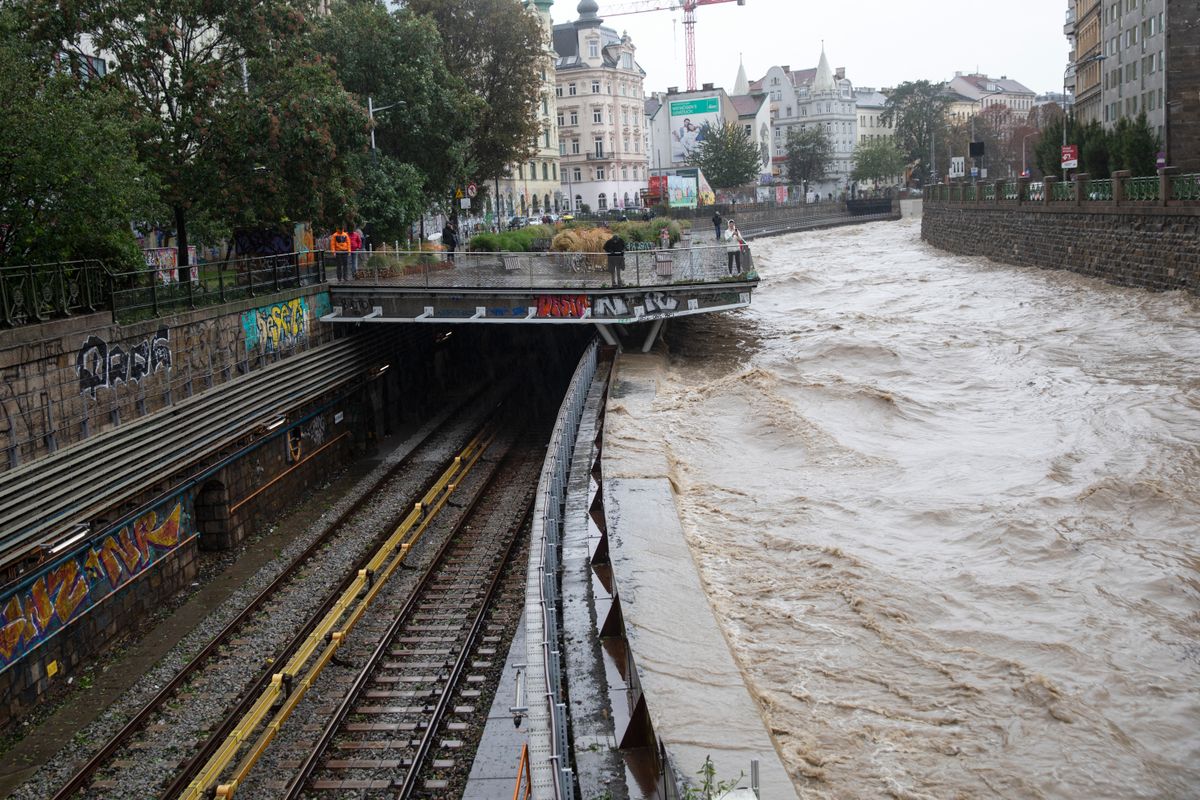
column 717, row 223
column 615, row 247
column 449, row 240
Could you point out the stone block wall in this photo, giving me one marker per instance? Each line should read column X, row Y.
column 69, row 379
column 1156, row 248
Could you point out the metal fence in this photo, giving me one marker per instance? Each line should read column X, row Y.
column 148, row 293
column 37, row 292
column 549, row 744
column 1164, row 189
column 639, row 268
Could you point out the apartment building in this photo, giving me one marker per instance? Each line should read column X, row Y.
column 603, row 157
column 1134, row 67
column 1089, row 39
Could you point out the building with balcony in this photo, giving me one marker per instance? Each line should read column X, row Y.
column 602, row 152
column 1086, row 74
column 1134, row 68
column 532, row 187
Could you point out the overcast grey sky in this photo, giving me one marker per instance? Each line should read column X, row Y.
column 879, row 42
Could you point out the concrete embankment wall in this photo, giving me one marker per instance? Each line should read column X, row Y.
column 1155, row 248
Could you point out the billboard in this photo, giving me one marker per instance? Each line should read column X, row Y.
column 682, row 191
column 690, row 121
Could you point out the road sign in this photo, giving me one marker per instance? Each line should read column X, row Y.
column 958, row 167
column 1070, row 156
column 465, row 202
column 458, row 194
column 472, row 190
column 974, row 172
column 1161, row 160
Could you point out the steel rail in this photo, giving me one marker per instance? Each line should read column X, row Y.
column 439, row 711
column 139, row 720
column 122, row 462
column 380, row 566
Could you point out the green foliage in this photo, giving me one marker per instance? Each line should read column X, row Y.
column 1130, row 145
column 727, row 156
column 1094, row 152
column 637, row 231
column 807, row 154
column 71, row 179
column 497, row 48
column 710, row 788
column 391, row 195
column 879, row 160
column 1134, row 146
column 916, row 111
column 518, row 241
column 396, row 59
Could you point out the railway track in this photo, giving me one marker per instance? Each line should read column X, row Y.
column 237, row 662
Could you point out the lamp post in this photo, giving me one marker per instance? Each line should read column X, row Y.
column 372, row 110
column 1024, row 165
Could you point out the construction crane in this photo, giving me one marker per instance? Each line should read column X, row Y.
column 689, row 23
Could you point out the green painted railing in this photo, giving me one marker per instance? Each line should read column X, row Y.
column 1145, row 188
column 1098, row 190
column 37, row 292
column 1062, row 192
column 1009, row 190
column 987, row 191
column 1185, row 187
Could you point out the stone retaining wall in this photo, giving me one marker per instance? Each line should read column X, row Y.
column 1156, row 248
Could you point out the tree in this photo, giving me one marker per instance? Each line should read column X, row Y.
column 1095, row 156
column 199, row 70
column 69, row 179
column 391, row 196
column 916, row 111
column 1134, row 146
column 396, row 60
column 807, row 154
column 497, row 48
column 877, row 161
column 726, row 156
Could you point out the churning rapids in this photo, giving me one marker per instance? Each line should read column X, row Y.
column 947, row 512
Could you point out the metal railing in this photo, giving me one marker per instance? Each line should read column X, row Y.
column 1098, row 190
column 153, row 292
column 1144, row 188
column 552, row 774
column 1062, row 192
column 37, row 292
column 987, row 191
column 640, row 268
column 1185, row 187
column 1009, row 190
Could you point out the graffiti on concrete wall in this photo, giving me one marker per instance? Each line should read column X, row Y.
column 650, row 303
column 562, row 306
column 264, row 241
column 100, row 364
column 44, row 604
column 277, row 326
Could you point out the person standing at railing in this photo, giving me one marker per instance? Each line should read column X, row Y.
column 356, row 246
column 615, row 247
column 717, row 222
column 339, row 243
column 449, row 240
column 733, row 248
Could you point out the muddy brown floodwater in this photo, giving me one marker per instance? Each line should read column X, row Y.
column 948, row 513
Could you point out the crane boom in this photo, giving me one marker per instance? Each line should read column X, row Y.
column 689, row 23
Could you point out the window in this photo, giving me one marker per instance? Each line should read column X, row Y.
column 574, row 117
column 545, row 171
column 627, row 60
column 599, row 146
column 545, row 107
column 595, row 87
column 602, row 202
column 520, row 172
column 571, row 89
column 624, row 173
column 574, row 147
column 593, row 49
column 562, row 147
column 600, row 175
column 558, row 91
column 561, row 119
column 578, row 174
column 545, row 138
column 597, row 115
column 578, row 201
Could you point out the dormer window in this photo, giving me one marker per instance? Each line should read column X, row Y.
column 593, row 49
column 627, row 60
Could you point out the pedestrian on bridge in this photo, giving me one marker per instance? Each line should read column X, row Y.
column 717, row 222
column 615, row 247
column 339, row 243
column 449, row 240
column 356, row 247
column 733, row 248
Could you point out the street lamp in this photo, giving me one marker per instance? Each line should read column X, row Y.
column 1024, row 166
column 372, row 110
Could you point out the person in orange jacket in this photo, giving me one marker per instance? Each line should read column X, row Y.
column 339, row 243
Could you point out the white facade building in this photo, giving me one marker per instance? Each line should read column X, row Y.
column 603, row 158
column 814, row 97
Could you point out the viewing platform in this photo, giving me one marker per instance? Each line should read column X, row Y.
column 540, row 288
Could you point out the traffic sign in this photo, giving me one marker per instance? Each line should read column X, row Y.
column 1161, row 160
column 458, row 194
column 472, row 190
column 958, row 167
column 1070, row 156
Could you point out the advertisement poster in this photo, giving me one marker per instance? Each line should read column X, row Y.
column 690, row 121
column 780, row 194
column 682, row 191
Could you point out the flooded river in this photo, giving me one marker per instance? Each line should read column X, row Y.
column 948, row 513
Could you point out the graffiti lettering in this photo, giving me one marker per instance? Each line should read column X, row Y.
column 264, row 242
column 610, row 306
column 100, row 364
column 651, row 303
column 276, row 326
column 660, row 301
column 558, row 306
column 43, row 604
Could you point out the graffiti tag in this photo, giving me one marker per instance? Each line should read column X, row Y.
column 559, row 306
column 45, row 604
column 651, row 303
column 276, row 326
column 100, row 364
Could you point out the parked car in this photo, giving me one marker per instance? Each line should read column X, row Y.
column 517, row 222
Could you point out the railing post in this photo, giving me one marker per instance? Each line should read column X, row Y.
column 1022, row 190
column 1164, row 184
column 1081, row 179
column 1118, row 185
column 1048, row 184
column 274, row 273
column 154, row 291
column 221, row 283
column 999, row 192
